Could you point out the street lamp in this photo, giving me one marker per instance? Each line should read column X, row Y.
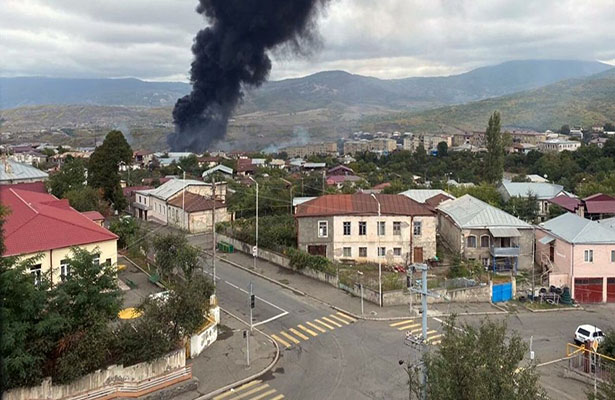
column 255, row 250
column 378, row 253
column 183, row 199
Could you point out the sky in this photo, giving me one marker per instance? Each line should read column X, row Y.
column 383, row 38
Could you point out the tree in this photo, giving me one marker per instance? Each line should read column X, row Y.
column 565, row 130
column 494, row 160
column 70, row 177
column 103, row 167
column 128, row 231
column 442, row 149
column 481, row 363
column 87, row 198
column 173, row 251
column 609, row 127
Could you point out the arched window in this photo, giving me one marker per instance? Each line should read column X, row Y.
column 471, row 241
column 484, row 241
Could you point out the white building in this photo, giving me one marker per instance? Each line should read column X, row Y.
column 558, row 145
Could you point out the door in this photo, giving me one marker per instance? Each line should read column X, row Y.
column 501, row 292
column 418, row 255
column 588, row 290
column 610, row 290
column 317, row 250
column 551, row 253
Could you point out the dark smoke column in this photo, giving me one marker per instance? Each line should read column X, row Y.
column 231, row 53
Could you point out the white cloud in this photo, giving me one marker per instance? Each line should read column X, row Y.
column 384, row 38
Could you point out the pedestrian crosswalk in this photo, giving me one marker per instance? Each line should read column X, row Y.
column 310, row 329
column 414, row 326
column 255, row 390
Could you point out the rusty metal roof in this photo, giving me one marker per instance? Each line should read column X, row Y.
column 361, row 204
column 194, row 202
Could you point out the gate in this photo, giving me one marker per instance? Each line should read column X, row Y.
column 501, row 292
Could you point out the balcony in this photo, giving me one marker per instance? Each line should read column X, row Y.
column 504, row 251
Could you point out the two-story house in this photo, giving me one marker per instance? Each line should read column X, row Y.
column 40, row 225
column 479, row 231
column 366, row 228
column 578, row 253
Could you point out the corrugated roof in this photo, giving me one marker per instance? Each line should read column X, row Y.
column 568, row 203
column 504, row 232
column 219, row 167
column 422, row 195
column 40, row 222
column 192, row 202
column 12, row 171
column 94, row 215
column 469, row 212
column 575, row 229
column 541, row 190
column 361, row 204
column 600, row 203
column 171, row 188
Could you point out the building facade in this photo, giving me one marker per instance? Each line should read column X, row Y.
column 558, row 145
column 348, row 228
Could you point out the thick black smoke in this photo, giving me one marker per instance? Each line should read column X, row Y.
column 230, row 54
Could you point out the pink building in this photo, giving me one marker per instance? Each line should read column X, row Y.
column 578, row 253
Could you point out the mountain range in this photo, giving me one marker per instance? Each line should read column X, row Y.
column 328, row 89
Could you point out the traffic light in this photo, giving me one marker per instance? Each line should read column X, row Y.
column 252, row 297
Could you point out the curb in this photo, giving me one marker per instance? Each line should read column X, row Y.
column 555, row 309
column 251, row 377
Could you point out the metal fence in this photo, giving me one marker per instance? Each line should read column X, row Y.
column 589, row 362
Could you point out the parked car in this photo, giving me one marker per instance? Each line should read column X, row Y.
column 588, row 332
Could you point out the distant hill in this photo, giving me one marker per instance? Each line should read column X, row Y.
column 577, row 102
column 337, row 89
column 330, row 89
column 32, row 91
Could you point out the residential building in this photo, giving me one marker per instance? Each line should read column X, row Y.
column 218, row 168
column 599, row 206
column 600, row 141
column 479, row 231
column 558, row 145
column 349, row 227
column 580, row 254
column 429, row 142
column 29, row 157
column 311, row 149
column 12, row 172
column 377, row 145
column 341, row 175
column 142, row 158
column 532, row 138
column 194, row 212
column 424, row 195
column 40, row 225
column 95, row 216
column 543, row 192
column 151, row 205
column 245, row 167
column 570, row 204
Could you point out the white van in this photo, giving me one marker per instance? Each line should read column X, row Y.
column 588, row 332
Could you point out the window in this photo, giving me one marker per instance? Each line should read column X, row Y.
column 589, row 256
column 35, row 271
column 108, row 262
column 362, row 251
column 612, row 255
column 381, row 228
column 418, row 227
column 471, row 241
column 64, row 270
column 382, row 251
column 362, row 228
column 397, row 251
column 323, row 228
column 396, row 228
column 96, row 260
column 346, row 228
column 347, row 252
column 484, row 241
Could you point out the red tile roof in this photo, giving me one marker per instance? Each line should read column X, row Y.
column 381, row 186
column 129, row 190
column 245, row 165
column 194, row 202
column 335, row 179
column 94, row 215
column 361, row 204
column 600, row 204
column 567, row 203
column 39, row 222
column 31, row 186
column 437, row 199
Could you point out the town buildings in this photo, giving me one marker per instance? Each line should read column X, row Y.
column 12, row 172
column 194, row 213
column 40, row 225
column 311, row 149
column 367, row 228
column 543, row 192
column 479, row 231
column 429, row 142
column 558, row 145
column 377, row 145
column 578, row 253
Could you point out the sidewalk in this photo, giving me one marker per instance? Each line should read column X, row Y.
column 343, row 300
column 224, row 362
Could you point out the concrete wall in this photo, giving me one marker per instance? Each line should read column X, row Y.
column 307, row 234
column 111, row 379
column 196, row 222
column 207, row 336
column 51, row 259
column 450, row 233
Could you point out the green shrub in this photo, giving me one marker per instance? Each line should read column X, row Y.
column 300, row 260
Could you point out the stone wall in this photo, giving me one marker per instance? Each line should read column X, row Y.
column 112, row 381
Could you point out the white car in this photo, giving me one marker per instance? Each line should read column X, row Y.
column 588, row 332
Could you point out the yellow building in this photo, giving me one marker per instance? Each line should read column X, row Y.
column 40, row 225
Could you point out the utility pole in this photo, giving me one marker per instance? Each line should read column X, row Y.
column 361, row 286
column 323, row 181
column 378, row 253
column 255, row 248
column 213, row 225
column 421, row 342
column 248, row 333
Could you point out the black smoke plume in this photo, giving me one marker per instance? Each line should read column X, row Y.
column 232, row 53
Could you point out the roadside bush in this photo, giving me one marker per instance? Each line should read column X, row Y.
column 462, row 268
column 275, row 232
column 300, row 260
